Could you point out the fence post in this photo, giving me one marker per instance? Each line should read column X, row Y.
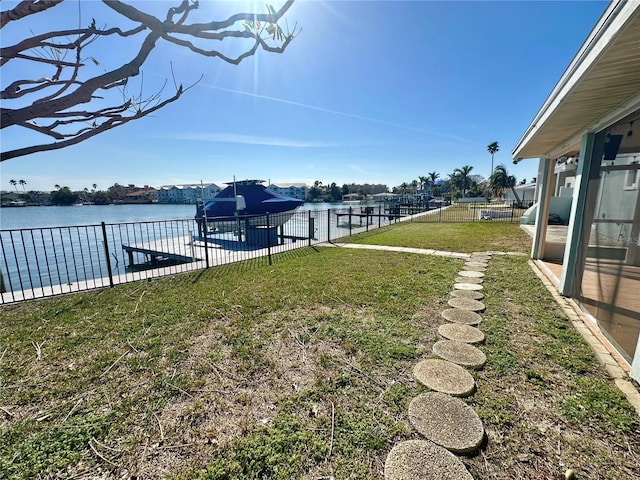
column 350, row 208
column 311, row 227
column 106, row 252
column 379, row 216
column 206, row 242
column 440, row 212
column 268, row 239
column 329, row 225
column 474, row 211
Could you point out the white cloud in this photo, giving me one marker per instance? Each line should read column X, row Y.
column 251, row 140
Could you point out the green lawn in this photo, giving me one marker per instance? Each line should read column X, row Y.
column 301, row 369
column 456, row 237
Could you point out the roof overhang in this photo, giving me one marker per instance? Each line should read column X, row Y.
column 601, row 86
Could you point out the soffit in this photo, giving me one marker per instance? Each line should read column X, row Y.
column 610, row 83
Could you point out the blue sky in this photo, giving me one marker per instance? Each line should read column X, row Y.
column 369, row 92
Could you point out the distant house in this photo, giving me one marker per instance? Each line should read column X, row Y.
column 295, row 190
column 586, row 137
column 190, row 193
column 146, row 194
column 379, row 197
column 352, row 197
column 526, row 192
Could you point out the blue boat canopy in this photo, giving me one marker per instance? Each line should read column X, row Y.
column 257, row 201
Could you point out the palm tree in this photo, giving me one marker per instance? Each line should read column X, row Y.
column 492, row 148
column 94, row 187
column 501, row 180
column 22, row 184
column 424, row 181
column 56, row 186
column 465, row 181
column 431, row 178
column 454, row 182
column 14, row 183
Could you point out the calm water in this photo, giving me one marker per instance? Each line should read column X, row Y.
column 38, row 217
column 44, row 246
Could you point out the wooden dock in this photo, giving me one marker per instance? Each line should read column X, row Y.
column 215, row 249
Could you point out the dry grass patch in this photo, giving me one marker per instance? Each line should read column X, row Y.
column 300, row 368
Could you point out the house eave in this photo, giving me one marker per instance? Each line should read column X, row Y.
column 600, row 86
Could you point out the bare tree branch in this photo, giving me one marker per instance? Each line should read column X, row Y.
column 8, row 53
column 107, row 125
column 26, row 8
column 73, row 83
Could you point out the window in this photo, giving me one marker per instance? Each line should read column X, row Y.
column 631, row 181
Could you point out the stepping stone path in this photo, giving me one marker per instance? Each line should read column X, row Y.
column 460, row 353
column 465, row 317
column 467, row 294
column 474, row 267
column 446, row 377
column 461, row 333
column 466, row 304
column 477, row 281
column 471, row 274
column 423, row 460
column 448, row 423
column 476, row 264
column 467, row 286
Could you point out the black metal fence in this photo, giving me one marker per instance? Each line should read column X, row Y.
column 49, row 261
column 474, row 212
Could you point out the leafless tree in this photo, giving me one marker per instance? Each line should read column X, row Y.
column 70, row 103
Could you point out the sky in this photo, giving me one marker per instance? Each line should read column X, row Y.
column 368, row 92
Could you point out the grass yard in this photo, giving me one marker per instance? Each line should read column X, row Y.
column 470, row 212
column 301, row 369
column 453, row 237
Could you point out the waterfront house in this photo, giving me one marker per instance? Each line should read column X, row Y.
column 187, row 193
column 142, row 195
column 294, row 190
column 352, row 197
column 586, row 136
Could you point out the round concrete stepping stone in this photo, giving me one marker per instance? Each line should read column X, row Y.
column 474, row 268
column 423, row 460
column 477, row 281
column 461, row 333
column 466, row 304
column 471, row 274
column 463, row 317
column 460, row 353
column 446, row 377
column 467, row 294
column 477, row 263
column 479, row 259
column 447, row 421
column 466, row 286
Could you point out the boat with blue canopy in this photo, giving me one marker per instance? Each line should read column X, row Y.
column 247, row 203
